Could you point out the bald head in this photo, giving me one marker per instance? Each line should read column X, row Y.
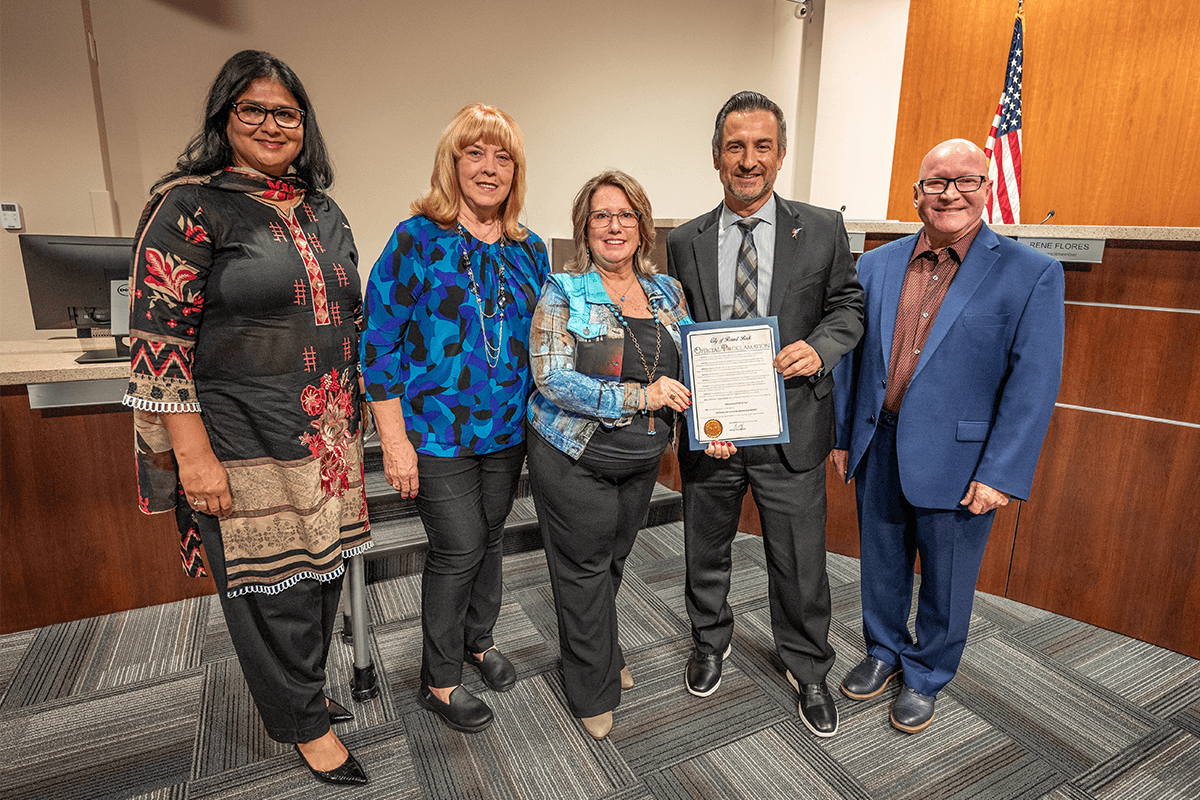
column 954, row 212
column 967, row 153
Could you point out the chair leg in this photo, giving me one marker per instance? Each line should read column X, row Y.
column 364, row 686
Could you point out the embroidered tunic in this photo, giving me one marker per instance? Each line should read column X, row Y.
column 424, row 341
column 245, row 306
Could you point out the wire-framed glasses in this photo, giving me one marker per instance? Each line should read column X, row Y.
column 601, row 219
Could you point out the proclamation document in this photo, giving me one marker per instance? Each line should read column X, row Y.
column 737, row 396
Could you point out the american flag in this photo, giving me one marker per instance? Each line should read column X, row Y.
column 1004, row 141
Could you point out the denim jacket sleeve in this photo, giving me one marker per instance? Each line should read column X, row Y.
column 552, row 346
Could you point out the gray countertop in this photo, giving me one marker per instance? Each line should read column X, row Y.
column 53, row 361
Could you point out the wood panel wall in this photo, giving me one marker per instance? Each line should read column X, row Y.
column 73, row 543
column 1111, row 109
column 1109, row 534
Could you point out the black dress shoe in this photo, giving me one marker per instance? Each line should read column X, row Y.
column 465, row 712
column 337, row 712
column 497, row 671
column 347, row 773
column 818, row 712
column 912, row 712
column 868, row 679
column 703, row 674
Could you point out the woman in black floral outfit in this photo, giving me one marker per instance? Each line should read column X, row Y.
column 245, row 388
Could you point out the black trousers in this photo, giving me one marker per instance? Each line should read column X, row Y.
column 282, row 642
column 589, row 514
column 463, row 502
column 792, row 508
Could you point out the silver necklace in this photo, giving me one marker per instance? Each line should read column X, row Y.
column 491, row 351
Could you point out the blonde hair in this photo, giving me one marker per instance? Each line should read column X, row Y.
column 474, row 123
column 582, row 205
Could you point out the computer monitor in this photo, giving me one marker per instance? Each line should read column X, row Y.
column 72, row 281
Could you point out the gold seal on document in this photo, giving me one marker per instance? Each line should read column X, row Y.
column 713, row 428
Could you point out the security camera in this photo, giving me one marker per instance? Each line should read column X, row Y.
column 803, row 8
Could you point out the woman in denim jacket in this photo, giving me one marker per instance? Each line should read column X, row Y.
column 605, row 354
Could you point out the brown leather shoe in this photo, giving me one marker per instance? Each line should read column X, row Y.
column 598, row 726
column 626, row 679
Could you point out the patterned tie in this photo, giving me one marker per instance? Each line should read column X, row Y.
column 745, row 286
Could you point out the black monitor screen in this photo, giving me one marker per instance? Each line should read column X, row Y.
column 69, row 278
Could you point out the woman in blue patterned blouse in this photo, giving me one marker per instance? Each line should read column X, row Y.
column 445, row 359
column 605, row 345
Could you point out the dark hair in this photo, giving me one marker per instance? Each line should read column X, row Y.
column 209, row 150
column 742, row 102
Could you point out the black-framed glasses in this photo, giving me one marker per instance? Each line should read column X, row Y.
column 601, row 219
column 965, row 184
column 254, row 114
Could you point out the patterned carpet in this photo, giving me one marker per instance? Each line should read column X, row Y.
column 151, row 704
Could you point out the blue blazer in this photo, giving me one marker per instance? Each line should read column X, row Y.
column 981, row 397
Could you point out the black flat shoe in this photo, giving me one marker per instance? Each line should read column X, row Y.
column 497, row 671
column 337, row 712
column 465, row 712
column 348, row 773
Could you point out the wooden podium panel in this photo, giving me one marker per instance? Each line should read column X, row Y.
column 1110, row 535
column 73, row 543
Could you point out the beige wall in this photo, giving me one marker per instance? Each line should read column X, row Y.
column 627, row 83
column 854, row 128
column 49, row 147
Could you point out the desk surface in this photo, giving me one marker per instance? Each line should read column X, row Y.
column 53, row 361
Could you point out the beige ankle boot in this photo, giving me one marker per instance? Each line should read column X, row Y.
column 599, row 725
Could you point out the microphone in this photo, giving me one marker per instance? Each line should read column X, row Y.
column 1048, row 216
column 842, row 210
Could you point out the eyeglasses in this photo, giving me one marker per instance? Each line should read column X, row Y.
column 254, row 114
column 602, row 219
column 964, row 184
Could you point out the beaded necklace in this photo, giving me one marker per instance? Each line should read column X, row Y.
column 617, row 311
column 490, row 351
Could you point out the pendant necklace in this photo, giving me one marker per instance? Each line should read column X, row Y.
column 618, row 311
column 491, row 351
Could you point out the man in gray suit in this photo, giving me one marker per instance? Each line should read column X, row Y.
column 756, row 255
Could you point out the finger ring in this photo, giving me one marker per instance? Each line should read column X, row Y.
column 199, row 503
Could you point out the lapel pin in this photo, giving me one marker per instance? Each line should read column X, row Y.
column 794, row 232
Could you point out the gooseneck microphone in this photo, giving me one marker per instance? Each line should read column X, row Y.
column 1048, row 216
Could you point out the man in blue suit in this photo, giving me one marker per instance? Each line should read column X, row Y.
column 941, row 411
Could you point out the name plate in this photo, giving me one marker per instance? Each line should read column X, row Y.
column 1090, row 251
column 858, row 242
